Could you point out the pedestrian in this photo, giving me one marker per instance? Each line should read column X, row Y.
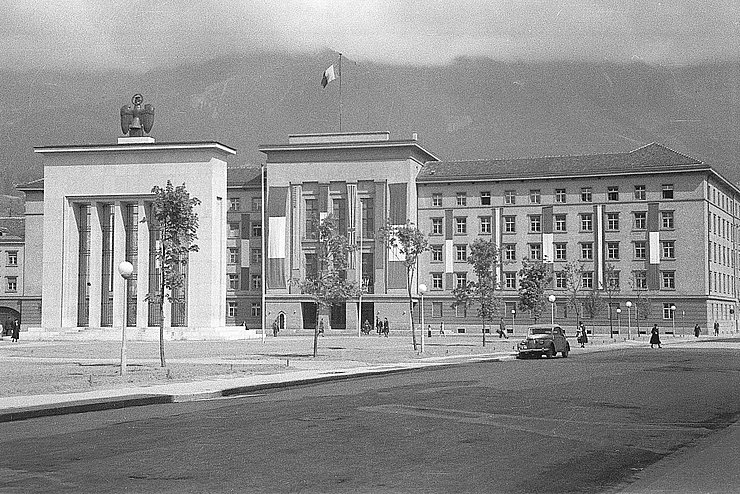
column 244, row 323
column 16, row 330
column 442, row 329
column 584, row 334
column 502, row 329
column 716, row 328
column 2, row 331
column 655, row 337
column 386, row 327
column 697, row 330
column 275, row 328
column 429, row 330
column 579, row 336
column 378, row 324
column 321, row 327
column 366, row 328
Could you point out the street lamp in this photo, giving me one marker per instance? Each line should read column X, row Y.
column 364, row 283
column 619, row 320
column 125, row 269
column 422, row 290
column 551, row 298
column 513, row 315
column 629, row 318
column 673, row 318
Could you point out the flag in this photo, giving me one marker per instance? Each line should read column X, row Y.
column 328, row 76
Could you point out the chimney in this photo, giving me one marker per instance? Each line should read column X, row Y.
column 414, row 136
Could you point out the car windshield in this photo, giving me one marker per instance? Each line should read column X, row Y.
column 540, row 330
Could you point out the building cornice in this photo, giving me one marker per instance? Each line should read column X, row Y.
column 108, row 148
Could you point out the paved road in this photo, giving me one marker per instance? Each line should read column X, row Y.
column 589, row 423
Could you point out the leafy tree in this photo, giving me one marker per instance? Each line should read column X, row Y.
column 327, row 284
column 176, row 224
column 534, row 277
column 409, row 242
column 642, row 302
column 573, row 274
column 611, row 288
column 483, row 257
column 593, row 303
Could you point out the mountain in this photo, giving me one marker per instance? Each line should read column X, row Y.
column 469, row 109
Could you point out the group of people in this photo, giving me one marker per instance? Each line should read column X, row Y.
column 441, row 329
column 381, row 327
column 12, row 328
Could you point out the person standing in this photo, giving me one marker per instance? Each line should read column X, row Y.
column 697, row 330
column 378, row 324
column 716, row 328
column 655, row 337
column 275, row 328
column 584, row 334
column 16, row 330
column 386, row 327
column 502, row 329
column 442, row 329
column 321, row 327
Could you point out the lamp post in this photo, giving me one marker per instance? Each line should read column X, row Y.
column 422, row 290
column 125, row 269
column 513, row 315
column 551, row 298
column 629, row 318
column 619, row 320
column 363, row 286
column 673, row 319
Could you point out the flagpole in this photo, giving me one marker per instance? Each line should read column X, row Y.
column 340, row 92
column 264, row 253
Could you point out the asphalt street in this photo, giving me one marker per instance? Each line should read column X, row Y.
column 589, row 423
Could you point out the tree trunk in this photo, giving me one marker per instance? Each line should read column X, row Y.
column 483, row 329
column 161, row 325
column 316, row 332
column 409, row 280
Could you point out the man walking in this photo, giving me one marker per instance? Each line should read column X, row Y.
column 502, row 329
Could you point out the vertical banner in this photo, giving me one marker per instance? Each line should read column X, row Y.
column 352, row 232
column 323, row 201
column 498, row 240
column 449, row 254
column 397, row 204
column 653, row 246
column 548, row 248
column 598, row 225
column 276, row 209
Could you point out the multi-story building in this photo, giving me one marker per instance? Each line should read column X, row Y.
column 14, row 296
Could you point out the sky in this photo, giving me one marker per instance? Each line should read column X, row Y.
column 95, row 35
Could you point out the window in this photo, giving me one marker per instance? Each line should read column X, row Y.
column 339, row 212
column 534, row 196
column 437, row 199
column 256, row 256
column 640, row 249
column 436, row 309
column 560, row 196
column 587, row 251
column 256, row 229
column 461, row 279
column 510, row 281
column 12, row 258
column 587, row 222
column 560, row 280
column 312, row 218
column 666, row 220
column 587, row 280
column 256, row 282
column 560, row 223
column 509, row 197
column 535, row 223
column 640, row 220
column 612, row 221
column 485, row 198
column 586, row 194
column 233, row 230
column 461, row 226
column 436, row 281
column 256, row 309
column 461, row 253
column 612, row 193
column 640, row 194
column 368, row 217
column 233, row 255
column 436, row 226
column 436, row 253
column 612, row 250
column 232, row 309
column 11, row 284
column 234, row 204
column 256, row 204
column 668, row 248
column 535, row 252
column 462, row 199
column 233, row 281
column 612, row 280
column 669, row 280
column 560, row 251
column 509, row 224
column 667, row 312
column 485, row 224
column 667, row 192
column 640, row 278
column 510, row 252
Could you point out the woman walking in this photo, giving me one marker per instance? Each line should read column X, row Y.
column 655, row 337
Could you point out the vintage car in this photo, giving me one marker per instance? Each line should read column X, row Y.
column 544, row 339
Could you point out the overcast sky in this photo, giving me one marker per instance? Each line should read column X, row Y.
column 100, row 34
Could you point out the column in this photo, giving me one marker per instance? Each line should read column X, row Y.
column 142, row 271
column 119, row 254
column 96, row 263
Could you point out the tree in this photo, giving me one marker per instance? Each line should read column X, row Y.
column 534, row 277
column 642, row 304
column 593, row 303
column 573, row 275
column 327, row 284
column 176, row 224
column 408, row 242
column 611, row 288
column 483, row 257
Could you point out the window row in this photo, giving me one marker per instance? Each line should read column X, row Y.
column 255, row 282
column 534, row 196
column 232, row 309
column 235, row 204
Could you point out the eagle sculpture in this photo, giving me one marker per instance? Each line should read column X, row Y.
column 137, row 121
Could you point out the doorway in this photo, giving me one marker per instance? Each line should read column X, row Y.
column 281, row 321
column 338, row 318
column 6, row 316
column 367, row 313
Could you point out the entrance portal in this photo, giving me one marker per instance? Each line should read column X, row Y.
column 281, row 321
column 6, row 316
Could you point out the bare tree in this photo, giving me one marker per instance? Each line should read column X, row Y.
column 573, row 274
column 611, row 289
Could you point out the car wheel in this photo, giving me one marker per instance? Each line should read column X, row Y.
column 565, row 352
column 550, row 352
